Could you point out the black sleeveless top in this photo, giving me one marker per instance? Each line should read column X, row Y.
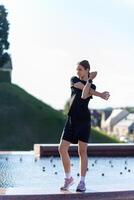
column 79, row 107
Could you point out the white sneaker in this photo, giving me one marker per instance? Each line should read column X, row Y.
column 68, row 182
column 81, row 187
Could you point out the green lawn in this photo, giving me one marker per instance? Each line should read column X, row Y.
column 98, row 136
column 25, row 120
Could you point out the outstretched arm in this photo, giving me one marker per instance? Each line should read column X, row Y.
column 89, row 91
column 104, row 95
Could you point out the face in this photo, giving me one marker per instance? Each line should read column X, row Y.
column 81, row 71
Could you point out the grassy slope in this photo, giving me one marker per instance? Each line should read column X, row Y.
column 25, row 120
column 98, row 136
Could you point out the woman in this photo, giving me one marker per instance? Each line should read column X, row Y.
column 77, row 127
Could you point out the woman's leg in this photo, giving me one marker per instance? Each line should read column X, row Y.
column 63, row 151
column 82, row 151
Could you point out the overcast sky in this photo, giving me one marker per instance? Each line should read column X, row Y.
column 48, row 37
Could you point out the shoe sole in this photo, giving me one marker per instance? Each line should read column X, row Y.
column 78, row 190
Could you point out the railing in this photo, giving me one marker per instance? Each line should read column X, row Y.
column 94, row 149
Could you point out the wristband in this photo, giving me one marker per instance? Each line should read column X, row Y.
column 89, row 81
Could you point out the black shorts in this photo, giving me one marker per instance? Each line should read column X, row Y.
column 75, row 130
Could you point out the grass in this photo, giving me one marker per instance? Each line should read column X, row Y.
column 98, row 136
column 25, row 120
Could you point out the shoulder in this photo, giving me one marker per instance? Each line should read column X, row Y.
column 74, row 79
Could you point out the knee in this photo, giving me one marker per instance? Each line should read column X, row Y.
column 82, row 152
column 62, row 149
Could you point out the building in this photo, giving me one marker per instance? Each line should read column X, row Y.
column 125, row 128
column 113, row 118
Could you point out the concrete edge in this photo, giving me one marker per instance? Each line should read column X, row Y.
column 116, row 195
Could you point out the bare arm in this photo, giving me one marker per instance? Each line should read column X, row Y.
column 88, row 91
column 85, row 88
column 104, row 95
column 95, row 93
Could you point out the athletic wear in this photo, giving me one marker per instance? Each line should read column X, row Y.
column 78, row 122
column 68, row 182
column 81, row 187
column 79, row 107
column 76, row 130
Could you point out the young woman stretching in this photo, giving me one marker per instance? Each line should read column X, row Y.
column 77, row 127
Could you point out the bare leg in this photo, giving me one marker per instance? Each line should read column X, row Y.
column 63, row 151
column 82, row 151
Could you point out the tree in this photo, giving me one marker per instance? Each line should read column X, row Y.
column 4, row 32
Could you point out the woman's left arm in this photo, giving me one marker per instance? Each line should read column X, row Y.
column 104, row 95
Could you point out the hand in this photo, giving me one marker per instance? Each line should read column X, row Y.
column 93, row 75
column 105, row 95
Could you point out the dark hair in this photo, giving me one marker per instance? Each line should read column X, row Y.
column 85, row 64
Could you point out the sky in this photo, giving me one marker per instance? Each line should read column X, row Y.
column 49, row 37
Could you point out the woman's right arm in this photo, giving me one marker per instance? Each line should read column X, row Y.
column 87, row 87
